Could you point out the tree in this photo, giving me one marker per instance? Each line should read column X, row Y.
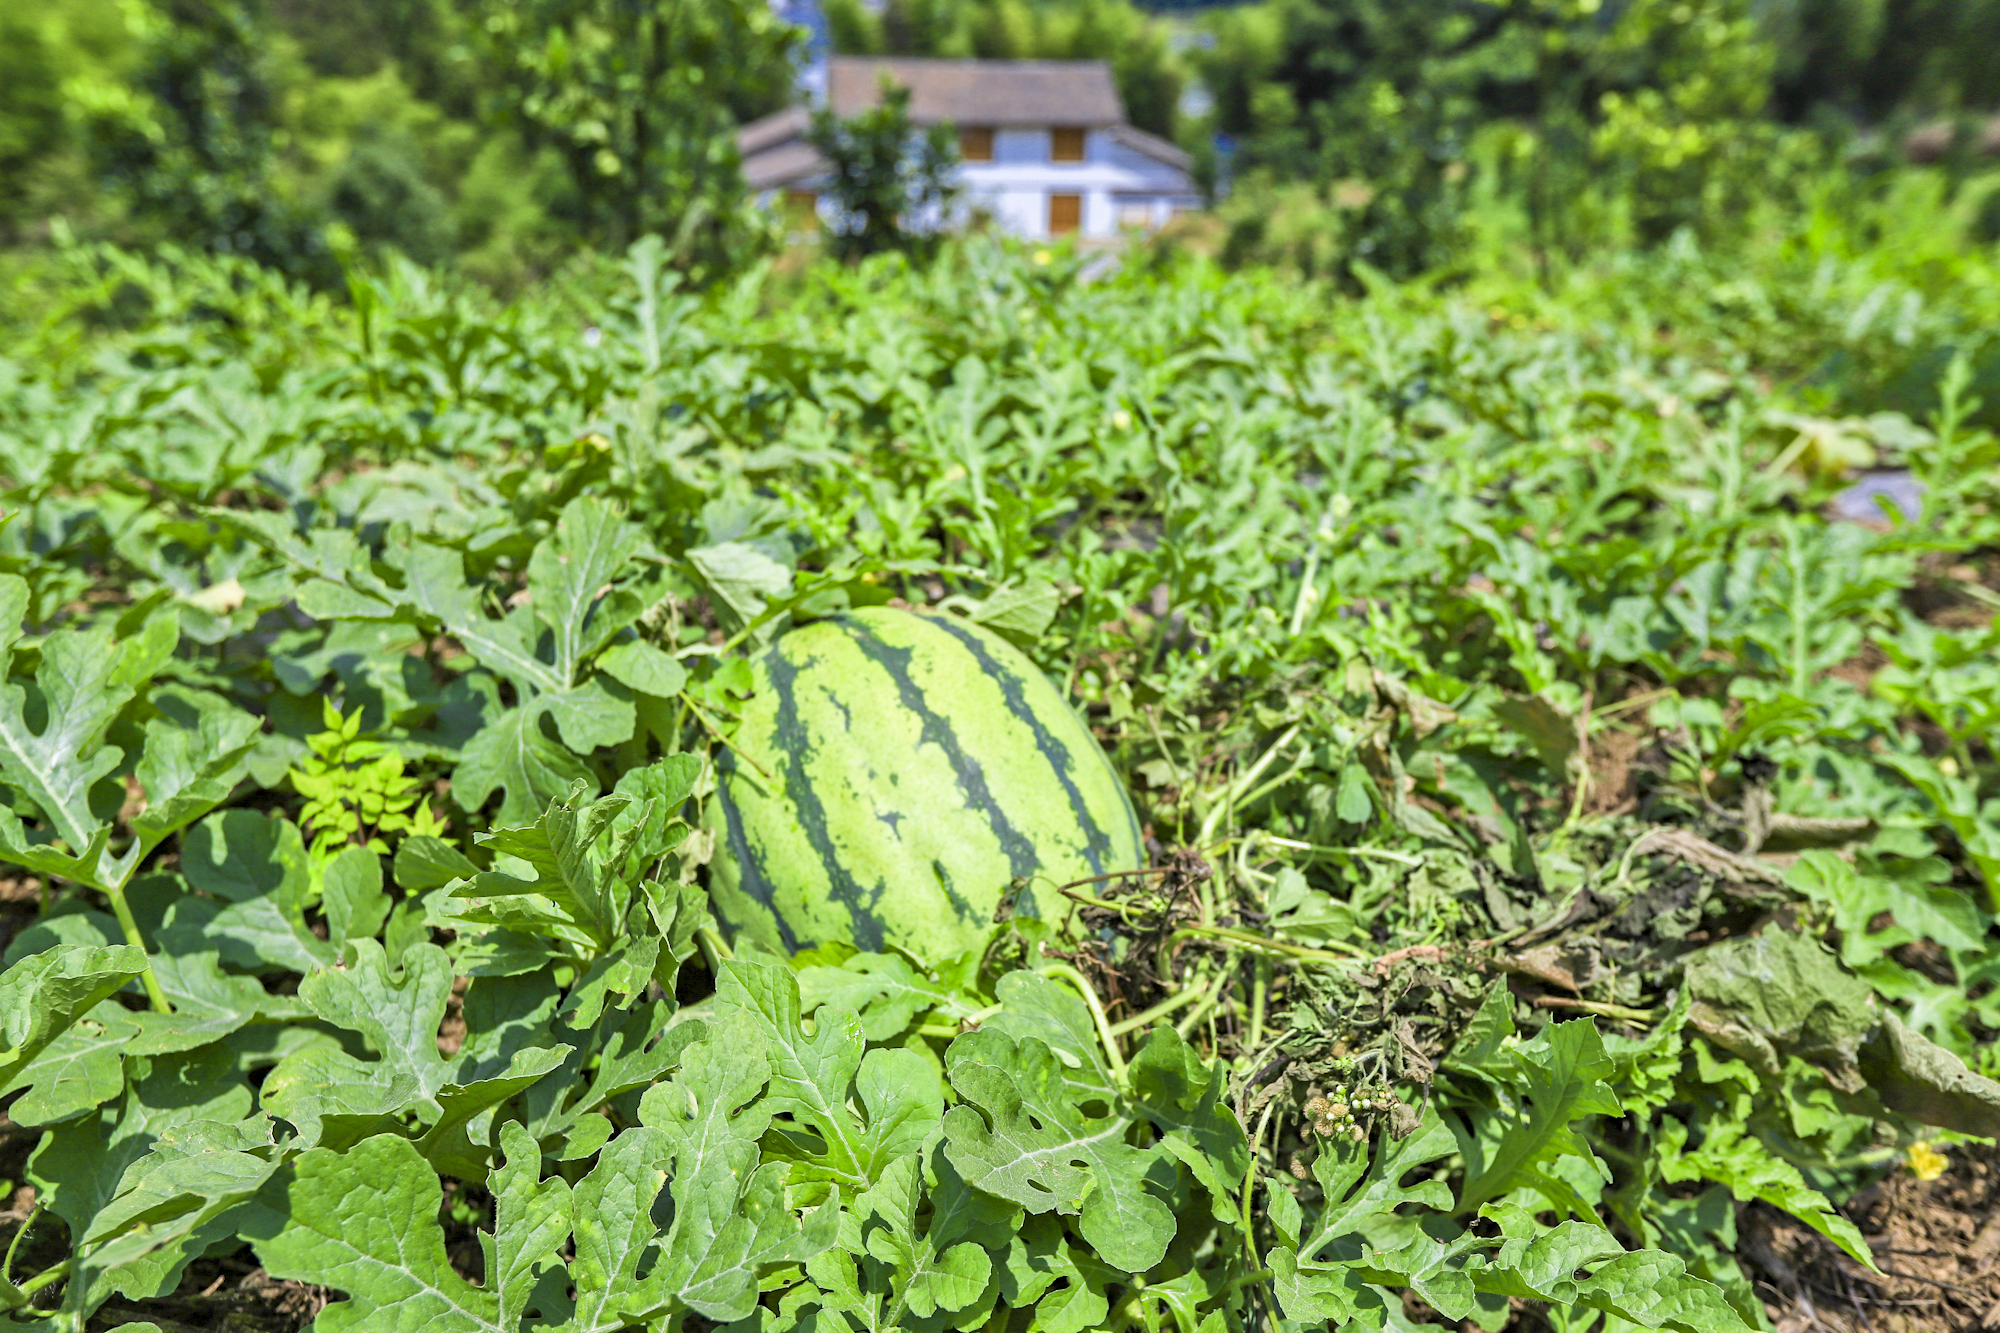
column 1380, row 103
column 641, row 100
column 186, row 139
column 890, row 186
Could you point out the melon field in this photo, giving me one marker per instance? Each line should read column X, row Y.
column 1558, row 893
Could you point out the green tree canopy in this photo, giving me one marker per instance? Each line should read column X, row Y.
column 641, row 100
column 1380, row 102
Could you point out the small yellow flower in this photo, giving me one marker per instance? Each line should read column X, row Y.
column 1043, row 257
column 1926, row 1162
column 1121, row 419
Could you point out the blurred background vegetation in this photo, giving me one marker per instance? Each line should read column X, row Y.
column 1769, row 166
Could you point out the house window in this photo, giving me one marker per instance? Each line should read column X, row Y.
column 1065, row 213
column 1066, row 144
column 975, row 143
column 1135, row 213
column 802, row 209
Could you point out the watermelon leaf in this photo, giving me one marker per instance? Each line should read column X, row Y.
column 84, row 680
column 1560, row 1079
column 1359, row 1244
column 742, row 577
column 1034, row 1005
column 881, row 990
column 575, row 896
column 365, row 1222
column 823, row 1079
column 931, row 1272
column 545, row 648
column 731, row 1222
column 1182, row 1096
column 43, row 995
column 1731, row 1158
column 335, row 1099
column 1020, row 1135
column 86, row 1169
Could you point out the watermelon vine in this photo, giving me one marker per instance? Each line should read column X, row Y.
column 1371, row 858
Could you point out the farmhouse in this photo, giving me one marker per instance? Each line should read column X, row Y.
column 1044, row 146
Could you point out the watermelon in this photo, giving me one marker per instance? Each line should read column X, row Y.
column 917, row 765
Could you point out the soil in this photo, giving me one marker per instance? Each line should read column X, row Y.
column 1936, row 1242
column 1612, row 787
column 218, row 1294
column 227, row 1295
column 20, row 904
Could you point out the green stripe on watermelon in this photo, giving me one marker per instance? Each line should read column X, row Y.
column 1065, row 759
column 917, row 766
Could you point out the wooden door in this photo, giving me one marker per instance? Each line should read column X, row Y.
column 1065, row 213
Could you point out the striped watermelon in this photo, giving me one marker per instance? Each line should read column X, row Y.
column 917, row 765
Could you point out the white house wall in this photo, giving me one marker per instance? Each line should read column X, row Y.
column 1015, row 187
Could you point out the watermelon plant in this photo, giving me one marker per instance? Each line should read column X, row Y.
column 970, row 799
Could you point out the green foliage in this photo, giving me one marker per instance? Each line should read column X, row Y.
column 1601, row 125
column 1884, row 58
column 501, row 137
column 189, row 142
column 355, row 790
column 1570, row 834
column 889, row 185
column 641, row 103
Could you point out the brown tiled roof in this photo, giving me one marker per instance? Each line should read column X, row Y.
column 981, row 92
column 773, row 130
column 787, row 164
column 1151, row 145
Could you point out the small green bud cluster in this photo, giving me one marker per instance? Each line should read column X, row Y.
column 1336, row 1113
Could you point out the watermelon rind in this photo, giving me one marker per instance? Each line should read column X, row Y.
column 918, row 765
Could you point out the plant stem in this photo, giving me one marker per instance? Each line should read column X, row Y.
column 7, row 1265
column 1128, row 1307
column 123, row 911
column 1232, row 795
column 1252, row 797
column 727, row 744
column 1167, row 1006
column 1595, row 1007
column 48, row 1277
column 1250, row 941
column 1124, row 910
column 714, row 949
column 1112, row 874
column 1153, row 724
column 1379, row 853
column 1636, row 701
column 1260, row 988
column 1207, row 1005
column 1307, row 592
column 1112, row 1055
column 1250, row 1184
